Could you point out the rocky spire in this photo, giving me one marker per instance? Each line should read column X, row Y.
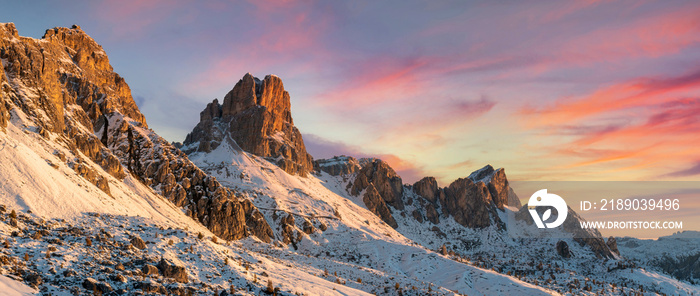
column 256, row 114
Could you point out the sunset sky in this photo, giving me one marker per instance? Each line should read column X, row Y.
column 549, row 90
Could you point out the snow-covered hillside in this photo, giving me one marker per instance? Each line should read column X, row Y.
column 368, row 248
column 477, row 261
column 56, row 213
column 677, row 254
column 50, row 198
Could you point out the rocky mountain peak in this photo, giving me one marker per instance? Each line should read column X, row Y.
column 483, row 174
column 256, row 115
column 8, row 30
column 66, row 67
column 471, row 201
column 63, row 88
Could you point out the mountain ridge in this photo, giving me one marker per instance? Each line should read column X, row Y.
column 75, row 99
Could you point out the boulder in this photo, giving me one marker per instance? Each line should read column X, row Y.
column 563, row 249
column 170, row 269
column 33, row 279
column 137, row 242
column 93, row 285
column 148, row 269
column 150, row 286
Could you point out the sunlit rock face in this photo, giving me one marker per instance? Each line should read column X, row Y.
column 256, row 115
column 68, row 89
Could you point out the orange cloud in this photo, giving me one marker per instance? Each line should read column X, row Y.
column 664, row 136
column 377, row 80
column 626, row 95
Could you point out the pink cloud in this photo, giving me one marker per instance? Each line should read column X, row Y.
column 625, row 95
column 375, row 80
column 665, row 136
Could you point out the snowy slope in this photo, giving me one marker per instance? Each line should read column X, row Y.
column 677, row 254
column 354, row 235
column 356, row 254
column 51, row 198
column 37, row 180
column 10, row 287
column 360, row 238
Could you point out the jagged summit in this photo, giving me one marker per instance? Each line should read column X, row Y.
column 65, row 67
column 63, row 89
column 256, row 115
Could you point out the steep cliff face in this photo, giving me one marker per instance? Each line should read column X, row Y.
column 381, row 186
column 66, row 86
column 471, row 201
column 256, row 115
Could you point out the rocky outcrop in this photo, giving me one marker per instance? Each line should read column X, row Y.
column 257, row 225
column 498, row 186
column 431, row 194
column 385, row 180
column 469, row 203
column 376, row 204
column 428, row 189
column 256, row 115
column 287, row 227
column 65, row 84
column 4, row 113
column 67, row 88
column 337, row 166
column 432, row 214
column 612, row 245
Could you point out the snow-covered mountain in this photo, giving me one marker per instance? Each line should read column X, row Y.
column 677, row 254
column 350, row 209
column 94, row 202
